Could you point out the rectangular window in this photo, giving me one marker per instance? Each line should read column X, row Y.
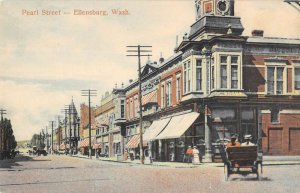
column 184, row 78
column 270, row 79
column 189, row 77
column 127, row 109
column 131, row 108
column 136, row 105
column 213, row 73
column 234, row 59
column 162, row 96
column 279, row 84
column 199, row 75
column 224, row 59
column 223, row 76
column 234, row 76
column 169, row 94
column 297, row 78
column 274, row 115
column 178, row 89
column 122, row 109
column 275, row 80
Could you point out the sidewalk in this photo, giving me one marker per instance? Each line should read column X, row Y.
column 267, row 161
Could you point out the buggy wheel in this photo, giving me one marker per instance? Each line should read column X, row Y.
column 226, row 172
column 258, row 171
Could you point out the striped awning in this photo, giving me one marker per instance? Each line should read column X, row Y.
column 133, row 142
column 85, row 142
column 63, row 146
column 97, row 146
column 104, row 122
column 178, row 125
column 55, row 146
column 149, row 98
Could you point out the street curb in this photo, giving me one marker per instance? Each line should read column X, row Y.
column 267, row 163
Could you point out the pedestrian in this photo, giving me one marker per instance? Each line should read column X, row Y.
column 248, row 141
column 233, row 142
column 189, row 154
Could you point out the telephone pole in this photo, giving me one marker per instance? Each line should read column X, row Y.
column 2, row 112
column 52, row 122
column 65, row 122
column 137, row 53
column 89, row 93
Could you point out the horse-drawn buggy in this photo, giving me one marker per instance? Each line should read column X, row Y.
column 243, row 160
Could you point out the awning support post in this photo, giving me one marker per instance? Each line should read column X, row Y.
column 208, row 150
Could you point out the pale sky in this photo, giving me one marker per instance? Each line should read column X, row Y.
column 45, row 60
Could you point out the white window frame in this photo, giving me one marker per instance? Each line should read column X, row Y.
column 136, row 105
column 199, row 82
column 228, row 68
column 162, row 95
column 168, row 93
column 178, row 90
column 294, row 79
column 276, row 80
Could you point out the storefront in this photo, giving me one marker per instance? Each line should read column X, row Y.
column 168, row 138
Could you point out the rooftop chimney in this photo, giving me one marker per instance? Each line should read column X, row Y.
column 257, row 33
column 161, row 59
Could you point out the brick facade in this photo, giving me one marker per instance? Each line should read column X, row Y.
column 277, row 139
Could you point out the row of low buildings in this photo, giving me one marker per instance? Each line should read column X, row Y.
column 217, row 83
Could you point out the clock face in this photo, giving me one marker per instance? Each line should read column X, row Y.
column 222, row 5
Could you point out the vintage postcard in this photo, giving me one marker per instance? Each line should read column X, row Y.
column 150, row 96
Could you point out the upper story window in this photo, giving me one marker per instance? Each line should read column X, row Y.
column 297, row 78
column 162, row 94
column 229, row 72
column 275, row 80
column 223, row 71
column 122, row 109
column 178, row 94
column 136, row 105
column 131, row 108
column 213, row 73
column 184, row 77
column 187, row 77
column 234, row 72
column 199, row 75
column 169, row 94
column 127, row 108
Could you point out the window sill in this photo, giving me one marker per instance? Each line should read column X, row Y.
column 275, row 123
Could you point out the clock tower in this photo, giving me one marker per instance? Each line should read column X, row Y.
column 215, row 17
column 214, row 7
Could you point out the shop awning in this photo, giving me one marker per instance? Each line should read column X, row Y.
column 155, row 128
column 178, row 126
column 149, row 98
column 97, row 146
column 133, row 142
column 85, row 142
column 63, row 146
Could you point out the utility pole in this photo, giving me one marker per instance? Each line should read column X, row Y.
column 58, row 138
column 65, row 122
column 89, row 93
column 52, row 122
column 70, row 132
column 3, row 132
column 137, row 53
